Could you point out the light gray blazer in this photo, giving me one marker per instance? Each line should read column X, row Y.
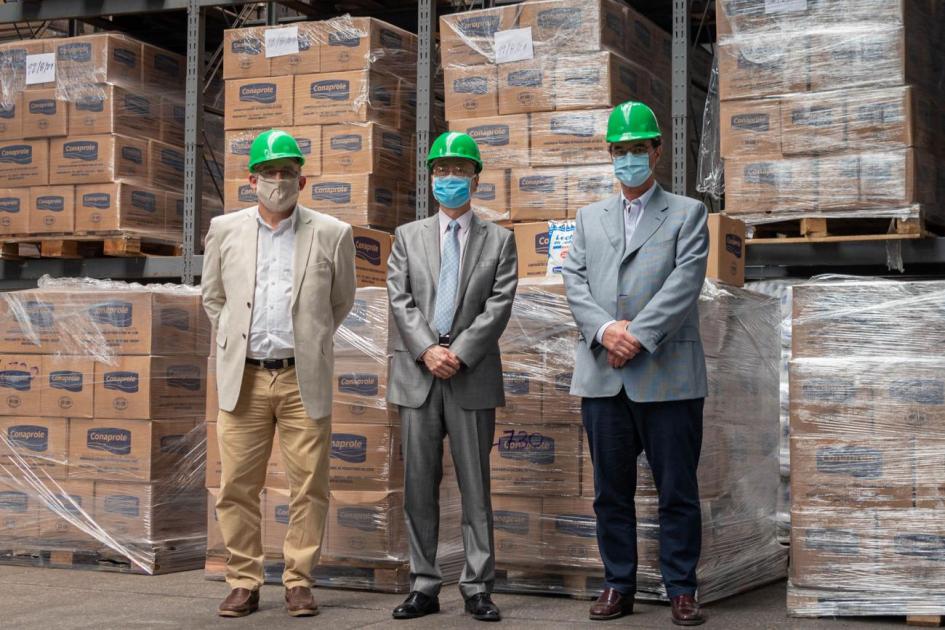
column 487, row 286
column 660, row 272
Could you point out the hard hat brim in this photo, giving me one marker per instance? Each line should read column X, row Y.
column 632, row 137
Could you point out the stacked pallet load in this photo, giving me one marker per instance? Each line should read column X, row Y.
column 365, row 543
column 101, row 440
column 831, row 117
column 345, row 88
column 91, row 157
column 867, row 446
column 542, row 478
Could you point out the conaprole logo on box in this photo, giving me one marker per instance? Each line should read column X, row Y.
column 347, row 38
column 41, row 314
column 13, row 501
column 855, row 461
column 524, row 78
column 246, row 193
column 751, row 122
column 393, row 142
column 576, row 525
column 173, row 444
column 880, row 114
column 599, row 185
column 43, row 107
column 94, row 104
column 613, row 22
column 560, row 18
column 922, row 391
column 563, row 382
column 368, row 249
column 14, row 58
column 829, row 390
column 349, row 447
column 581, row 76
column 492, row 135
column 16, row 154
column 144, row 200
column 85, row 150
column 838, row 541
column 137, row 105
column 172, row 159
column 19, row 380
column 471, row 85
column 305, row 145
column 125, row 57
column 333, row 192
column 359, row 384
column 579, row 126
column 478, row 26
column 258, row 93
column 813, row 116
column 68, row 380
column 76, row 53
column 122, row 381
column 516, row 383
column 10, row 205
column 925, row 546
column 281, row 514
column 332, row 90
column 7, row 112
column 512, row 522
column 364, row 519
column 184, row 376
column 51, row 203
column 113, row 313
column 177, row 318
column 246, row 46
column 390, row 39
column 765, row 173
column 534, row 448
column 346, row 142
column 733, row 245
column 485, row 192
column 98, row 200
column 109, row 439
column 167, row 65
column 384, row 196
column 240, row 146
column 123, row 505
column 381, row 96
column 537, row 183
column 29, row 436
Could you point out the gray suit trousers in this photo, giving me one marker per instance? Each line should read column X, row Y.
column 471, row 435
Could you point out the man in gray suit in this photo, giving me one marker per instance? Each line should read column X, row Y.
column 633, row 277
column 451, row 281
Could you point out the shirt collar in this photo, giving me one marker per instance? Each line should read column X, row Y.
column 463, row 221
column 642, row 199
column 281, row 226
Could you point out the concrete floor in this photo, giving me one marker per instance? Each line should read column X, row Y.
column 62, row 599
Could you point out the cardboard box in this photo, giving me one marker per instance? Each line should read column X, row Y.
column 754, row 186
column 726, row 250
column 600, row 79
column 522, row 376
column 14, row 210
column 342, row 97
column 891, row 179
column 569, row 532
column 536, row 460
column 468, row 38
column 259, row 103
column 52, row 209
column 96, row 158
column 37, row 444
column 527, row 86
column 366, row 525
column 119, row 206
column 517, row 525
column 20, row 384
column 367, row 200
column 756, row 66
column 24, row 163
column 113, row 109
column 750, row 129
column 365, row 148
column 68, row 383
column 364, row 332
column 310, row 39
column 142, row 322
column 244, row 53
column 471, row 91
column 146, row 513
column 589, row 184
column 538, row 194
column 239, row 194
column 162, row 70
column 172, row 120
column 366, row 457
column 236, row 153
column 357, row 43
column 11, row 117
column 812, row 124
column 70, row 500
column 275, row 526
column 823, row 541
column 309, row 140
column 29, row 323
column 19, row 510
column 43, row 114
column 491, row 198
column 557, row 403
column 100, row 58
column 151, row 387
column 360, row 389
column 581, row 25
column 531, row 242
column 130, row 450
column 371, row 251
column 502, row 140
column 166, row 165
column 562, row 138
column 406, row 200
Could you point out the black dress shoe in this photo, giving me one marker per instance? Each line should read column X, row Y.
column 480, row 606
column 416, row 605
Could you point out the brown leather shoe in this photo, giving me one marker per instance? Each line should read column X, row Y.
column 611, row 604
column 239, row 603
column 299, row 602
column 686, row 611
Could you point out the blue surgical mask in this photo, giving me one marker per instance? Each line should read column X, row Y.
column 452, row 191
column 632, row 170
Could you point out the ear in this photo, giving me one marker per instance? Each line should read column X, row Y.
column 657, row 154
column 253, row 178
column 474, row 184
column 302, row 180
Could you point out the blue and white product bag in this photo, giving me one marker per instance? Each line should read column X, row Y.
column 560, row 235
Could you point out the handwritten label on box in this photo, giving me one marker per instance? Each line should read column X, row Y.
column 513, row 45
column 282, row 41
column 40, row 68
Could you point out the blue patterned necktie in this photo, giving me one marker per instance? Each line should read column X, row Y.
column 448, row 282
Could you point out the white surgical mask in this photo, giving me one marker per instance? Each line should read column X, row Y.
column 278, row 195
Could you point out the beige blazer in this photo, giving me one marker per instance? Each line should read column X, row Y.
column 323, row 293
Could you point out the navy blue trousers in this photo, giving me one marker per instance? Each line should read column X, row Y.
column 670, row 433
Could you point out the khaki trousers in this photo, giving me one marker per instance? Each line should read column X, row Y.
column 270, row 398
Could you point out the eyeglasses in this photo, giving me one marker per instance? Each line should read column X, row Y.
column 636, row 149
column 441, row 170
column 278, row 173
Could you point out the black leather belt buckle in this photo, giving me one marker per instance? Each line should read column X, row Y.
column 444, row 341
column 272, row 364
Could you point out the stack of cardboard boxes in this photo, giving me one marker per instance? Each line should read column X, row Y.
column 542, row 478
column 345, row 88
column 97, row 150
column 101, row 394
column 867, row 447
column 832, row 109
column 365, row 544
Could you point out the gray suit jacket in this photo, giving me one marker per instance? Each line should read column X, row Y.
column 487, row 286
column 657, row 277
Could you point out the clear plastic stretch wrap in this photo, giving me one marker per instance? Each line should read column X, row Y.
column 365, row 543
column 347, row 92
column 102, row 441
column 867, row 447
column 542, row 480
column 830, row 109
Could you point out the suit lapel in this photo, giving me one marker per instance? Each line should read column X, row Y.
column 304, row 235
column 249, row 233
column 653, row 216
column 474, row 244
column 431, row 245
column 612, row 220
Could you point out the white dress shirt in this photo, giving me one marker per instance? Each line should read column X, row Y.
column 463, row 234
column 271, row 335
column 632, row 213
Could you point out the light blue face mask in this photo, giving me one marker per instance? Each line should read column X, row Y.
column 452, row 191
column 632, row 170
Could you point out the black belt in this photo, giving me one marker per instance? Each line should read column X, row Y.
column 272, row 364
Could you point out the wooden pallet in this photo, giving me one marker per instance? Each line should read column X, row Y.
column 162, row 560
column 918, row 610
column 830, row 230
column 574, row 583
column 69, row 246
column 356, row 574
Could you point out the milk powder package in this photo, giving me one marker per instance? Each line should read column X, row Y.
column 560, row 235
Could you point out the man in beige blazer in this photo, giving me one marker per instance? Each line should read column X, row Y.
column 278, row 280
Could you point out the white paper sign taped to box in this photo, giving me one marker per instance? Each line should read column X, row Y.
column 40, row 68
column 560, row 236
column 514, row 45
column 282, row 41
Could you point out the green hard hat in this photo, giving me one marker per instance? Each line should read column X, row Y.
column 271, row 145
column 454, row 144
column 632, row 121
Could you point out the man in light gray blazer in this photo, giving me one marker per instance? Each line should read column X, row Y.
column 451, row 281
column 633, row 277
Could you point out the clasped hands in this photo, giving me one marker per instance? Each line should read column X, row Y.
column 441, row 362
column 621, row 345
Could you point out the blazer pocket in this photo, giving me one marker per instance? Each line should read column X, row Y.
column 221, row 341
